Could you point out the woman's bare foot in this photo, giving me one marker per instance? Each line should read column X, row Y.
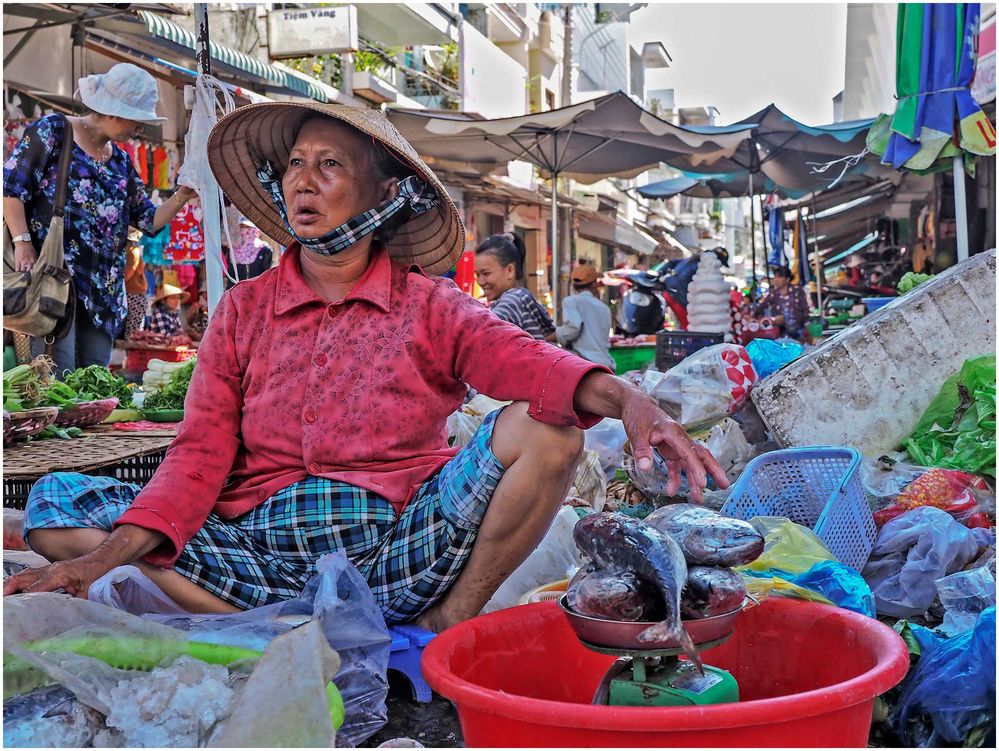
column 436, row 619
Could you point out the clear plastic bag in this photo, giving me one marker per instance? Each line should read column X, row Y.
column 47, row 638
column 590, row 482
column 337, row 597
column 912, row 552
column 607, row 438
column 896, row 487
column 951, row 691
column 964, row 595
column 709, row 385
column 13, row 530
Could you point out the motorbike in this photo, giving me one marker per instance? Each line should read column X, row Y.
column 647, row 305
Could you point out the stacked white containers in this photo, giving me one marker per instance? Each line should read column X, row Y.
column 708, row 298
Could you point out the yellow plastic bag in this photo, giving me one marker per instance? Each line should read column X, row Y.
column 789, row 547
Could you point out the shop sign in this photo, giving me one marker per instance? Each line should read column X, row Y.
column 312, row 31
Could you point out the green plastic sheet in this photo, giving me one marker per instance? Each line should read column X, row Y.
column 958, row 429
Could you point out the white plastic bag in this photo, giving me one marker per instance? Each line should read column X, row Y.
column 195, row 171
column 462, row 424
column 607, row 438
column 552, row 560
column 590, row 482
column 709, row 385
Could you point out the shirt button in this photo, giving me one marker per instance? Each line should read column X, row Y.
column 314, row 469
column 321, row 360
column 311, row 416
column 331, row 309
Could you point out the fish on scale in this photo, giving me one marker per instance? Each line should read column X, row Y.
column 619, row 543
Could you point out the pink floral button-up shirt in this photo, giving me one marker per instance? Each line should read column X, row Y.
column 289, row 385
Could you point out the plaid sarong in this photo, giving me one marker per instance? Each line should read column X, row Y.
column 269, row 553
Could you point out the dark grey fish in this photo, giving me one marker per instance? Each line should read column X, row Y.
column 706, row 537
column 614, row 595
column 711, row 591
column 620, row 543
column 49, row 717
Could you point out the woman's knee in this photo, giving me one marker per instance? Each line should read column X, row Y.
column 520, row 434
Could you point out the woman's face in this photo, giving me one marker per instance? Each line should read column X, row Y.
column 330, row 178
column 781, row 282
column 172, row 302
column 492, row 277
column 120, row 129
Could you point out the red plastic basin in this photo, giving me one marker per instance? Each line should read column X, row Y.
column 808, row 675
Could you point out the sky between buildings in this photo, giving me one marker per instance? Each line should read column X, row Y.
column 740, row 57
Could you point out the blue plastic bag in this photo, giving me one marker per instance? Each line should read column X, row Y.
column 769, row 356
column 835, row 581
column 952, row 689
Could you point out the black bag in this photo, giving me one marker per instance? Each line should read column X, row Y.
column 41, row 302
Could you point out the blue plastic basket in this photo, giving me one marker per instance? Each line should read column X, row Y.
column 818, row 487
column 876, row 303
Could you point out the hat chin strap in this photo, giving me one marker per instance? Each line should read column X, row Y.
column 415, row 195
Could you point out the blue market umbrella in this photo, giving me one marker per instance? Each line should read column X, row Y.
column 937, row 121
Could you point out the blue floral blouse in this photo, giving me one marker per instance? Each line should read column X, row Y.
column 104, row 199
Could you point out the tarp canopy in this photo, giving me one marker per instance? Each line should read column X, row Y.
column 786, row 153
column 780, row 153
column 604, row 137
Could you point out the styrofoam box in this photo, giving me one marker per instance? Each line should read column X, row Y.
column 868, row 386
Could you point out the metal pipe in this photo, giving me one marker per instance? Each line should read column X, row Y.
column 752, row 229
column 960, row 208
column 556, row 259
column 210, row 203
column 818, row 260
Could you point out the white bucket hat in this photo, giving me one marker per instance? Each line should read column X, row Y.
column 125, row 91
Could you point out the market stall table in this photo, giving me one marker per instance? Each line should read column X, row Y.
column 130, row 457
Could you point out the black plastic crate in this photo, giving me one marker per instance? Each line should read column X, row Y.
column 672, row 347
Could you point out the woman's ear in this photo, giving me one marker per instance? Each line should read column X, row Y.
column 389, row 189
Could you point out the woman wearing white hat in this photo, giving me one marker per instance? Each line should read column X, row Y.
column 105, row 196
column 316, row 416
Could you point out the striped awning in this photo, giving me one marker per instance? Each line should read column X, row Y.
column 166, row 34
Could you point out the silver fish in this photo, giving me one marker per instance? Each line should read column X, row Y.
column 706, row 537
column 618, row 542
column 49, row 717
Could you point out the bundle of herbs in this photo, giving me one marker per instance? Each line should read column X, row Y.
column 171, row 396
column 25, row 385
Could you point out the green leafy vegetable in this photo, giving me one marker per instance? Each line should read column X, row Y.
column 910, row 281
column 171, row 396
column 97, row 382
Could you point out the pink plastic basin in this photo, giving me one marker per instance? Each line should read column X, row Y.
column 808, row 675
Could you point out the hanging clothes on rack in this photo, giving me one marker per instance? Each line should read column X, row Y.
column 187, row 238
column 161, row 169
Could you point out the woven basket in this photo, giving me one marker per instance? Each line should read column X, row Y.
column 27, row 423
column 85, row 414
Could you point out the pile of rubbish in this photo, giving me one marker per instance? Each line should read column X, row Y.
column 128, row 668
column 931, row 527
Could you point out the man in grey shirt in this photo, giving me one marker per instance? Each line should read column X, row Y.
column 587, row 320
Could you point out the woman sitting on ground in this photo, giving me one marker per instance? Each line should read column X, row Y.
column 316, row 416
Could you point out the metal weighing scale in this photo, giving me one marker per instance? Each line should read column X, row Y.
column 656, row 677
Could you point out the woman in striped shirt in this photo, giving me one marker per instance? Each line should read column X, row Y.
column 499, row 271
